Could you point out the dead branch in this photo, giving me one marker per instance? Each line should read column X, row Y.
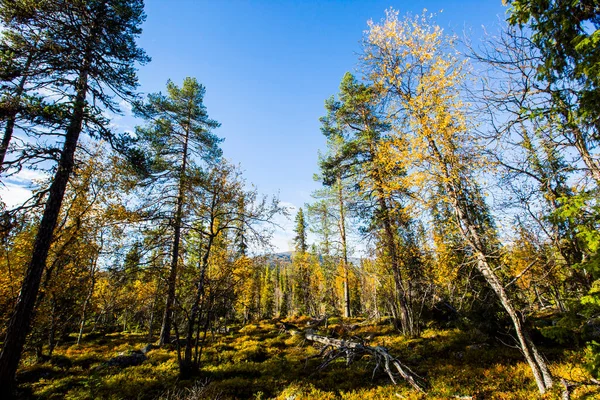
column 568, row 385
column 352, row 350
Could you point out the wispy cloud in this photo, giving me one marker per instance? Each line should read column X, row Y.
column 15, row 190
column 14, row 195
column 126, row 108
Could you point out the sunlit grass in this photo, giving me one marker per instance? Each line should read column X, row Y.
column 259, row 361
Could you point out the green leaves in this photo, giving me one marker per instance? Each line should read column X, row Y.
column 567, row 35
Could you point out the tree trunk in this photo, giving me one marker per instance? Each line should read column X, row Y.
column 88, row 298
column 344, row 249
column 536, row 362
column 52, row 332
column 406, row 321
column 83, row 317
column 469, row 231
column 152, row 313
column 187, row 367
column 165, row 333
column 582, row 147
column 20, row 321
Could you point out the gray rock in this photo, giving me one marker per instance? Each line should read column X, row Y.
column 146, row 348
column 127, row 360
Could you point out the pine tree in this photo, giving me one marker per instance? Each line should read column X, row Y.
column 25, row 58
column 98, row 39
column 336, row 195
column 357, row 122
column 178, row 133
column 433, row 136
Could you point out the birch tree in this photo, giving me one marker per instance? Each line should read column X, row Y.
column 413, row 61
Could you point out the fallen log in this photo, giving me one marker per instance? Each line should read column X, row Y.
column 568, row 385
column 351, row 350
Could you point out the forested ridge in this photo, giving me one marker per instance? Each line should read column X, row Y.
column 452, row 250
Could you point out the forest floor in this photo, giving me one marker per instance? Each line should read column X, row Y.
column 259, row 361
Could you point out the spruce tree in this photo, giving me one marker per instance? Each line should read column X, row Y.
column 301, row 245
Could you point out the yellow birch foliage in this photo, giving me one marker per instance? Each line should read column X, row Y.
column 412, row 62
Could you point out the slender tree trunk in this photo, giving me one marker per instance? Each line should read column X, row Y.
column 390, row 242
column 405, row 314
column 199, row 350
column 152, row 313
column 52, row 332
column 84, row 315
column 375, row 300
column 20, row 321
column 582, row 147
column 90, row 293
column 8, row 131
column 165, row 333
column 469, row 231
column 344, row 249
column 187, row 367
column 535, row 360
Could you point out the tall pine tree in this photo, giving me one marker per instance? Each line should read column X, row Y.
column 97, row 40
column 177, row 136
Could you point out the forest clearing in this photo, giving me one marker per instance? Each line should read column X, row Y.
column 447, row 246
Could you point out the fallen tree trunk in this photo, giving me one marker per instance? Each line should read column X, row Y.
column 350, row 350
column 568, row 385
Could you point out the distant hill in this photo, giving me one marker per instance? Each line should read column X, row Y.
column 286, row 257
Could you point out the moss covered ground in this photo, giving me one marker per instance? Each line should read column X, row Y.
column 258, row 361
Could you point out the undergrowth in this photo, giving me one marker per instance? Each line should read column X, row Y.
column 258, row 361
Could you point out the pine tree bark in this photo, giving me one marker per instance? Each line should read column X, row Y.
column 344, row 249
column 19, row 324
column 165, row 332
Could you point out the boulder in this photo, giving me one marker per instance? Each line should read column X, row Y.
column 127, row 360
column 146, row 348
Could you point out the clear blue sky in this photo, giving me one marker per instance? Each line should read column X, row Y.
column 268, row 66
